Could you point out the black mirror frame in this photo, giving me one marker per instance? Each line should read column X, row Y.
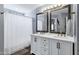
column 37, row 25
column 69, row 17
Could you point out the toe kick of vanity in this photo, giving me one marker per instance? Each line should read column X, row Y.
column 51, row 45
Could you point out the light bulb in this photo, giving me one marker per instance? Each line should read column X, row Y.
column 44, row 8
column 48, row 7
column 59, row 4
column 64, row 4
column 51, row 6
column 55, row 5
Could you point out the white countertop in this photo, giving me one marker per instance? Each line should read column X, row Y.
column 55, row 36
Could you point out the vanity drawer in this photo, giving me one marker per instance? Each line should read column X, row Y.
column 44, row 51
column 45, row 46
column 45, row 43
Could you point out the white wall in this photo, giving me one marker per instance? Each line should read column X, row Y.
column 17, row 31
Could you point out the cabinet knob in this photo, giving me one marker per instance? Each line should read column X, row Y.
column 44, row 50
column 35, row 50
column 1, row 12
column 44, row 40
column 44, row 45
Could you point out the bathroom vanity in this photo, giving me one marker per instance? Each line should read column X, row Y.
column 51, row 44
column 54, row 32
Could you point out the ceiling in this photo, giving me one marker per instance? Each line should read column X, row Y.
column 30, row 6
column 23, row 8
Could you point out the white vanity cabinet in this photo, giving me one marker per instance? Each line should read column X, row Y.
column 61, row 47
column 35, row 45
column 39, row 46
column 50, row 46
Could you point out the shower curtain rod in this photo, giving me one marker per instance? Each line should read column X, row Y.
column 13, row 12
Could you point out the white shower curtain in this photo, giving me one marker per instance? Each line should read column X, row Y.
column 17, row 31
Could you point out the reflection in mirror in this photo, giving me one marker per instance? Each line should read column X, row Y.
column 41, row 22
column 55, row 24
column 58, row 21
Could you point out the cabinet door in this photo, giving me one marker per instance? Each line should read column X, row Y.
column 66, row 48
column 53, row 47
column 35, row 42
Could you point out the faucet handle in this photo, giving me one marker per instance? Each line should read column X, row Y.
column 61, row 34
column 58, row 34
column 64, row 35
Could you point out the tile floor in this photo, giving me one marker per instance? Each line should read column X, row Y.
column 25, row 51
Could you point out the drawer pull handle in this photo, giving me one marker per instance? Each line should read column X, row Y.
column 44, row 40
column 35, row 40
column 58, row 45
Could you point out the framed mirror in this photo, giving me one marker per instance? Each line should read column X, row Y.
column 42, row 22
column 58, row 19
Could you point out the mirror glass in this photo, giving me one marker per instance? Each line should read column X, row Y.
column 58, row 20
column 41, row 22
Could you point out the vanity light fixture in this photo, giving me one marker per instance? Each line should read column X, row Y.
column 53, row 7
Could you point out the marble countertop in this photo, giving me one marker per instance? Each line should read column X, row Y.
column 55, row 37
